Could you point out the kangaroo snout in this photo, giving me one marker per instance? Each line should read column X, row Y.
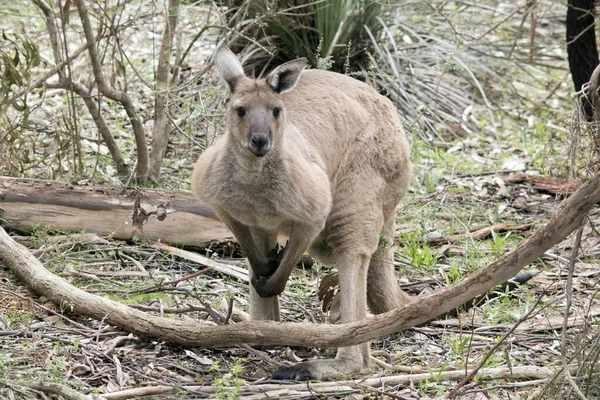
column 259, row 145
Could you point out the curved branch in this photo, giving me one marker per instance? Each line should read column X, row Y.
column 31, row 271
column 116, row 95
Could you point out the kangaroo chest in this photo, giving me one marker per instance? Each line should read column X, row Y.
column 256, row 201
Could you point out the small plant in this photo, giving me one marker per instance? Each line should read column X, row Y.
column 457, row 348
column 56, row 370
column 420, row 256
column 454, row 275
column 229, row 383
column 429, row 181
column 15, row 68
column 497, row 243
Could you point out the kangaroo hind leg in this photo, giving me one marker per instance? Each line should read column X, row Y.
column 351, row 359
column 383, row 292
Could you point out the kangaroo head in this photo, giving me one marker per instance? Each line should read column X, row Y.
column 255, row 111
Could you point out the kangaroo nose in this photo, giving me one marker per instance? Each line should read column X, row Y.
column 259, row 141
column 259, row 145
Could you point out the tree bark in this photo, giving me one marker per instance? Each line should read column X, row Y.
column 193, row 333
column 160, row 132
column 173, row 217
column 581, row 44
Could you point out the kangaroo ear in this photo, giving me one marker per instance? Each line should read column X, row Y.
column 228, row 66
column 284, row 77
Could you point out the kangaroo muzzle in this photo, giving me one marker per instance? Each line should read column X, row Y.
column 259, row 145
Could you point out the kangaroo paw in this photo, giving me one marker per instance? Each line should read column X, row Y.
column 293, row 373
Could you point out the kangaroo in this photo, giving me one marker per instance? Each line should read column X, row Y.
column 322, row 158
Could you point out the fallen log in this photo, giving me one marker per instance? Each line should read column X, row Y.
column 173, row 217
column 187, row 332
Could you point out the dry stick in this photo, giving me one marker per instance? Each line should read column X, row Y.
column 382, row 393
column 505, row 386
column 568, row 293
column 236, row 272
column 532, row 31
column 176, row 281
column 32, row 272
column 168, row 310
column 94, row 110
column 39, row 81
column 592, row 365
column 519, row 372
column 480, row 233
column 454, row 392
column 116, row 95
column 55, row 388
column 48, row 310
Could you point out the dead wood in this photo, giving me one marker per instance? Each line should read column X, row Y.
column 543, row 183
column 547, row 324
column 32, row 272
column 231, row 270
column 517, row 372
column 479, row 233
column 56, row 388
column 174, row 217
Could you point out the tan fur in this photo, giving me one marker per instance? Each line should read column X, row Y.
column 337, row 167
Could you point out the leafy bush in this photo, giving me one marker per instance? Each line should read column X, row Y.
column 326, row 32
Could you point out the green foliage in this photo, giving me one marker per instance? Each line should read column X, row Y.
column 228, row 380
column 331, row 34
column 429, row 180
column 453, row 275
column 15, row 66
column 339, row 31
column 420, row 255
column 497, row 243
column 57, row 368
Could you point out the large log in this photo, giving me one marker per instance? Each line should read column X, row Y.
column 173, row 217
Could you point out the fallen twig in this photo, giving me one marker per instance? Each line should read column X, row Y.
column 479, row 233
column 231, row 270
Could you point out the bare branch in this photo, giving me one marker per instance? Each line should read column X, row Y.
column 78, row 88
column 94, row 110
column 117, row 95
column 160, row 133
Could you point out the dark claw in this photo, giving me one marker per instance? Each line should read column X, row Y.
column 259, row 283
column 293, row 373
column 274, row 258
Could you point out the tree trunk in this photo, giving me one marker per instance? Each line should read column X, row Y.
column 173, row 217
column 581, row 44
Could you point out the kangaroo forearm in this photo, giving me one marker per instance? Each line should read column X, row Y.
column 246, row 242
column 275, row 284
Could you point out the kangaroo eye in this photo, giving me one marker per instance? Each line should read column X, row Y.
column 241, row 111
column 276, row 112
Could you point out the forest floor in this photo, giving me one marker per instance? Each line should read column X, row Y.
column 477, row 193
